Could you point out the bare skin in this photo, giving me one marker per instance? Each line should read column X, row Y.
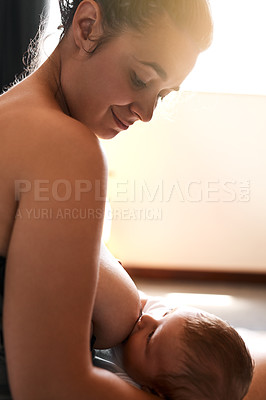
column 49, row 127
column 42, row 286
column 117, row 304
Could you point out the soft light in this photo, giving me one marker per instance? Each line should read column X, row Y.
column 199, row 300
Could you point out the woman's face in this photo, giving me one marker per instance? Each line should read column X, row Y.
column 122, row 82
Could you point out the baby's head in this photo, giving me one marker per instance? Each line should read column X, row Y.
column 188, row 354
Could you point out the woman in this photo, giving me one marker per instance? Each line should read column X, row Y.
column 115, row 60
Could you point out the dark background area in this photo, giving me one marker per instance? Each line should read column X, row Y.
column 19, row 22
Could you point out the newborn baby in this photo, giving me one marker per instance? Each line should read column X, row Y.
column 184, row 353
column 181, row 353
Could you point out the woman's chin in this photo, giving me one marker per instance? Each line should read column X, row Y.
column 107, row 135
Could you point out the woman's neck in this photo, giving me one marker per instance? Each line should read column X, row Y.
column 48, row 76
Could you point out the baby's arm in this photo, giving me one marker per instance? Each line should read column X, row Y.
column 117, row 303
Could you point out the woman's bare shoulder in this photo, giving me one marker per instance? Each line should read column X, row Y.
column 46, row 137
column 55, row 133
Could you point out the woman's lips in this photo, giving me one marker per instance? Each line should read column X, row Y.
column 119, row 123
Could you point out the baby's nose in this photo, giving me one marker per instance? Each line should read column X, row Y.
column 146, row 320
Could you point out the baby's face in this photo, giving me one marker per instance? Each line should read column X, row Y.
column 155, row 345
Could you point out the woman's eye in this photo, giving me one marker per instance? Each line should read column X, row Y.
column 137, row 81
column 150, row 336
column 163, row 95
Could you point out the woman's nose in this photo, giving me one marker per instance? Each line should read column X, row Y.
column 144, row 108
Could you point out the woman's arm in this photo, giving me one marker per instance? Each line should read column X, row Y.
column 52, row 263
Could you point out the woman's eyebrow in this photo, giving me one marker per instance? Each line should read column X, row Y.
column 157, row 68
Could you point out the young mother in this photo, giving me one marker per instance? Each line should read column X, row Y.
column 115, row 60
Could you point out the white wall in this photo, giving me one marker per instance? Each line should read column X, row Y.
column 203, row 162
